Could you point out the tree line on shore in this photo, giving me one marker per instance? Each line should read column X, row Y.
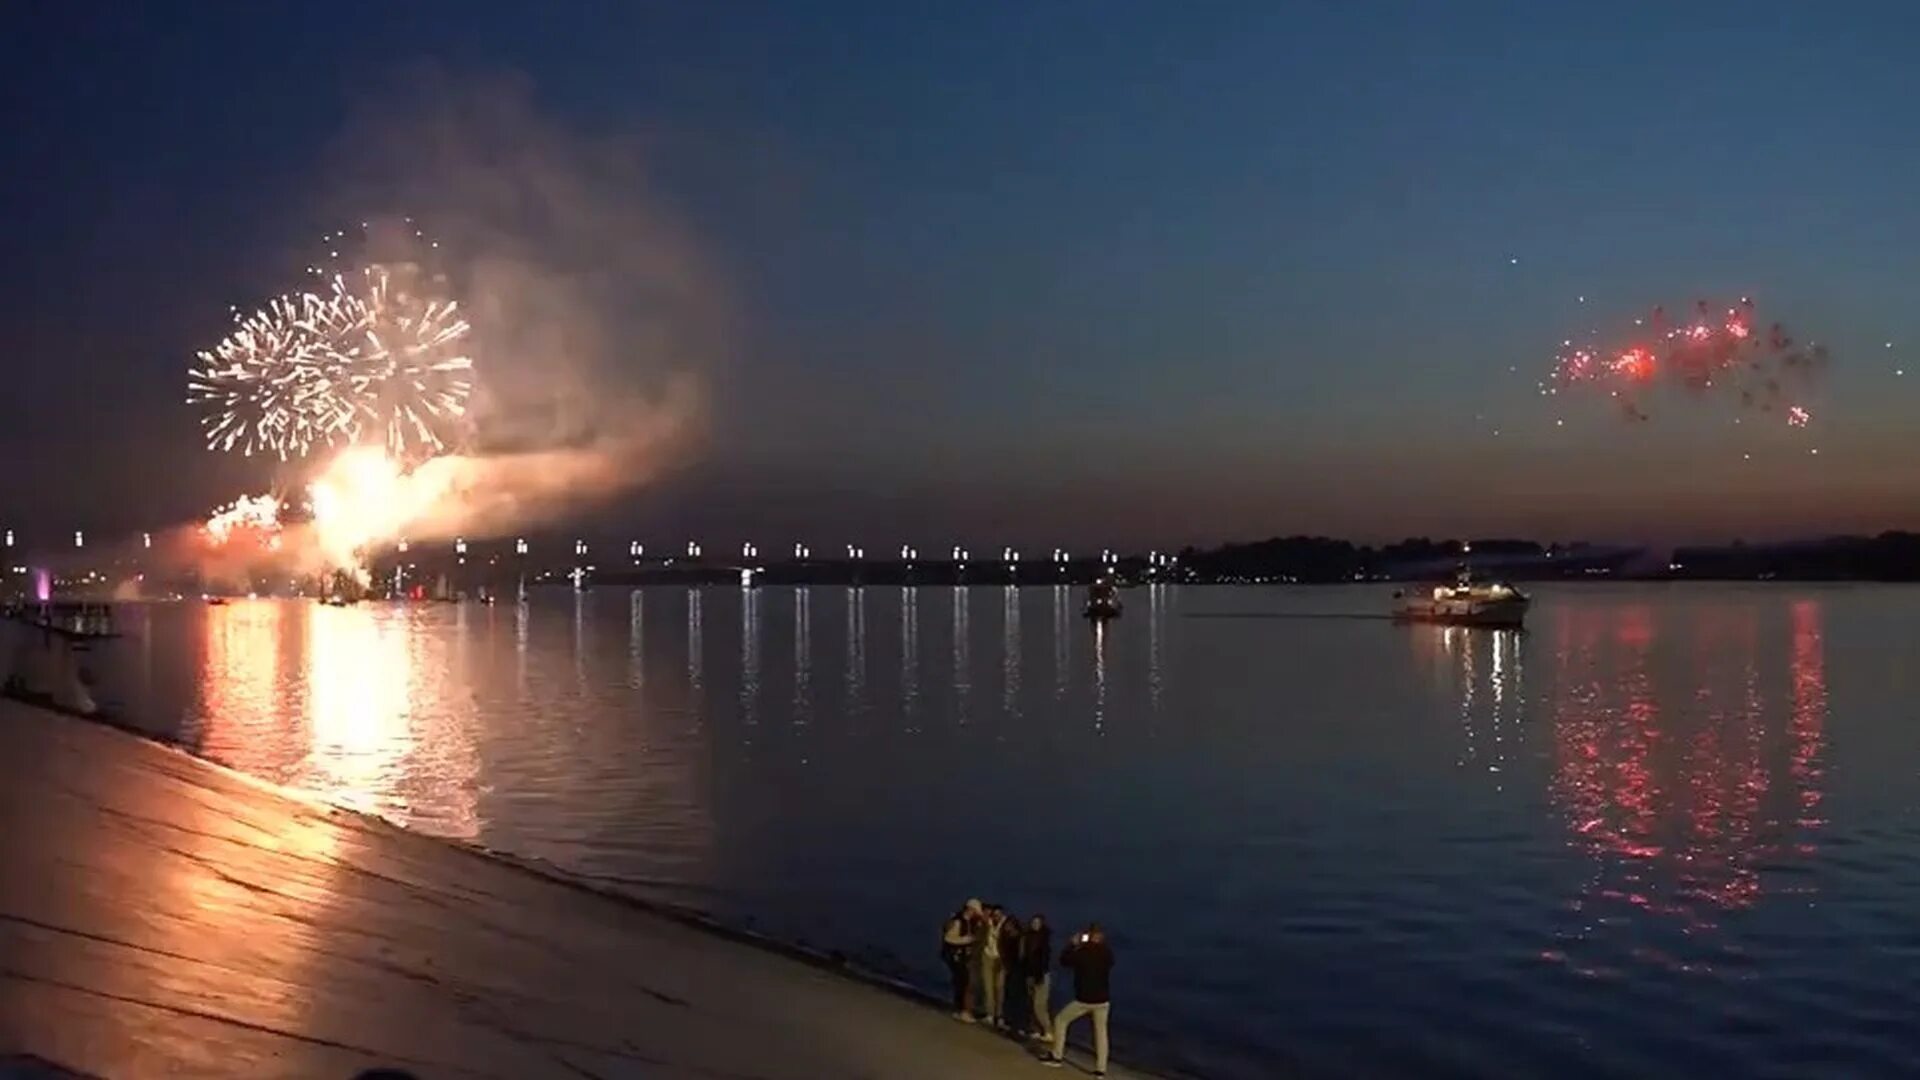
column 1890, row 556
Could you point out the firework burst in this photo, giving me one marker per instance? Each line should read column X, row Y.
column 400, row 363
column 1721, row 352
column 378, row 356
column 265, row 385
column 249, row 515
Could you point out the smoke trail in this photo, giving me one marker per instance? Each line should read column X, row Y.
column 595, row 318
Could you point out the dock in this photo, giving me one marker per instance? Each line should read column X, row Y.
column 163, row 916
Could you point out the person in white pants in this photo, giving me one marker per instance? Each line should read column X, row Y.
column 1090, row 959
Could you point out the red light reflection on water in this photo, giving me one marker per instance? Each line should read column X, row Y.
column 1809, row 718
column 1686, row 757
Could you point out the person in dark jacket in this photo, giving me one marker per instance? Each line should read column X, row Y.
column 1014, row 1009
column 956, row 949
column 1091, row 960
column 1036, row 961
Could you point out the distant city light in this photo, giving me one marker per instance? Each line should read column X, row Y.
column 460, row 545
column 579, row 547
column 146, row 540
column 520, row 547
column 636, row 549
column 79, row 539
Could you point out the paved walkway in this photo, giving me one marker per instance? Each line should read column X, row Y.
column 162, row 916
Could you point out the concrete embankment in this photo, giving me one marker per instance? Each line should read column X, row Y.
column 161, row 916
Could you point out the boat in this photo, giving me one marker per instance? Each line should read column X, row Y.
column 1103, row 600
column 216, row 601
column 1466, row 602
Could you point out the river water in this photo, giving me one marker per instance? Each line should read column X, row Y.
column 1670, row 830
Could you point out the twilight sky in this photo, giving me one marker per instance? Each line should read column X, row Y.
column 1135, row 273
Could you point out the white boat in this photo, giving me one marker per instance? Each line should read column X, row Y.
column 1466, row 602
column 1103, row 600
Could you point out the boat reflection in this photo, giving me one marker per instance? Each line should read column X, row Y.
column 1483, row 670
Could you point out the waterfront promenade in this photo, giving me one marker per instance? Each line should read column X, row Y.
column 160, row 916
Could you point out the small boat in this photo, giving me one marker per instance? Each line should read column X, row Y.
column 216, row 601
column 1103, row 600
column 1466, row 602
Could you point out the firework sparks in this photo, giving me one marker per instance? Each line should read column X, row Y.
column 257, row 515
column 1713, row 351
column 265, row 384
column 400, row 363
column 379, row 357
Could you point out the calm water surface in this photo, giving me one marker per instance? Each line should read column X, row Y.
column 1669, row 831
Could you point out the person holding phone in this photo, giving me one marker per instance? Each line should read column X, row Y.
column 1090, row 959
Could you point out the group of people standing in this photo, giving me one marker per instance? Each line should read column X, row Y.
column 988, row 951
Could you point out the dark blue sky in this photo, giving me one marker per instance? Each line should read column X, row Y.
column 1053, row 273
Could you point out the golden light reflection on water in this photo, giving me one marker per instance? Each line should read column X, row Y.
column 856, row 674
column 696, row 639
column 359, row 674
column 803, row 655
column 358, row 705
column 910, row 657
column 240, row 681
column 1062, row 645
column 1156, row 629
column 962, row 666
column 1010, row 651
column 1099, row 676
column 750, row 657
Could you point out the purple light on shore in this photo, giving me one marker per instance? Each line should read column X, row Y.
column 42, row 586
